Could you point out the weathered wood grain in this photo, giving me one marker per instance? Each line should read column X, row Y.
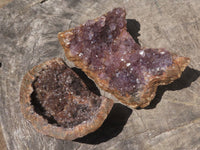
column 28, row 36
column 2, row 141
column 4, row 2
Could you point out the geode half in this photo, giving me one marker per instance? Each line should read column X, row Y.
column 107, row 53
column 57, row 102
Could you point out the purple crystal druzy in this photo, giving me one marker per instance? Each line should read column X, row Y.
column 95, row 39
column 106, row 47
column 63, row 97
column 138, row 68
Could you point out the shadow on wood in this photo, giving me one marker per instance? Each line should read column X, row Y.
column 133, row 27
column 188, row 76
column 111, row 127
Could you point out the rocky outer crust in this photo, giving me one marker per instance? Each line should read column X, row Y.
column 143, row 96
column 42, row 125
column 172, row 73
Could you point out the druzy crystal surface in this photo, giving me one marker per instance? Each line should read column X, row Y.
column 63, row 96
column 108, row 54
column 105, row 46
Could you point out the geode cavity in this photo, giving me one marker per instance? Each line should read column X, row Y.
column 107, row 53
column 58, row 103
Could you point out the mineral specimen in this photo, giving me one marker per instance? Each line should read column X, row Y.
column 58, row 103
column 107, row 53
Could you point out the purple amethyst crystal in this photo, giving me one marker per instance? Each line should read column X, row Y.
column 63, row 96
column 107, row 47
column 109, row 55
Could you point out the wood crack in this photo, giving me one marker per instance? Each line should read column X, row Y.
column 177, row 128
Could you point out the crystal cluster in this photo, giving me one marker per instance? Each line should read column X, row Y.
column 64, row 97
column 108, row 54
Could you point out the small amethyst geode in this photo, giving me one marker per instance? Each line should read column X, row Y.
column 58, row 103
column 107, row 53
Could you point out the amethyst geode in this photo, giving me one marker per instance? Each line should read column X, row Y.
column 107, row 53
column 58, row 103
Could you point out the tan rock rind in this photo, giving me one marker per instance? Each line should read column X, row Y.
column 172, row 73
column 42, row 125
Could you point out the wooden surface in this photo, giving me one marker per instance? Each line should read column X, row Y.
column 28, row 36
column 4, row 2
column 2, row 141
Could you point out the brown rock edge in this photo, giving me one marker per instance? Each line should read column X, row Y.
column 172, row 73
column 42, row 125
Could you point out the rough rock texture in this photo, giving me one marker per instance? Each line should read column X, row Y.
column 108, row 54
column 28, row 35
column 55, row 100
